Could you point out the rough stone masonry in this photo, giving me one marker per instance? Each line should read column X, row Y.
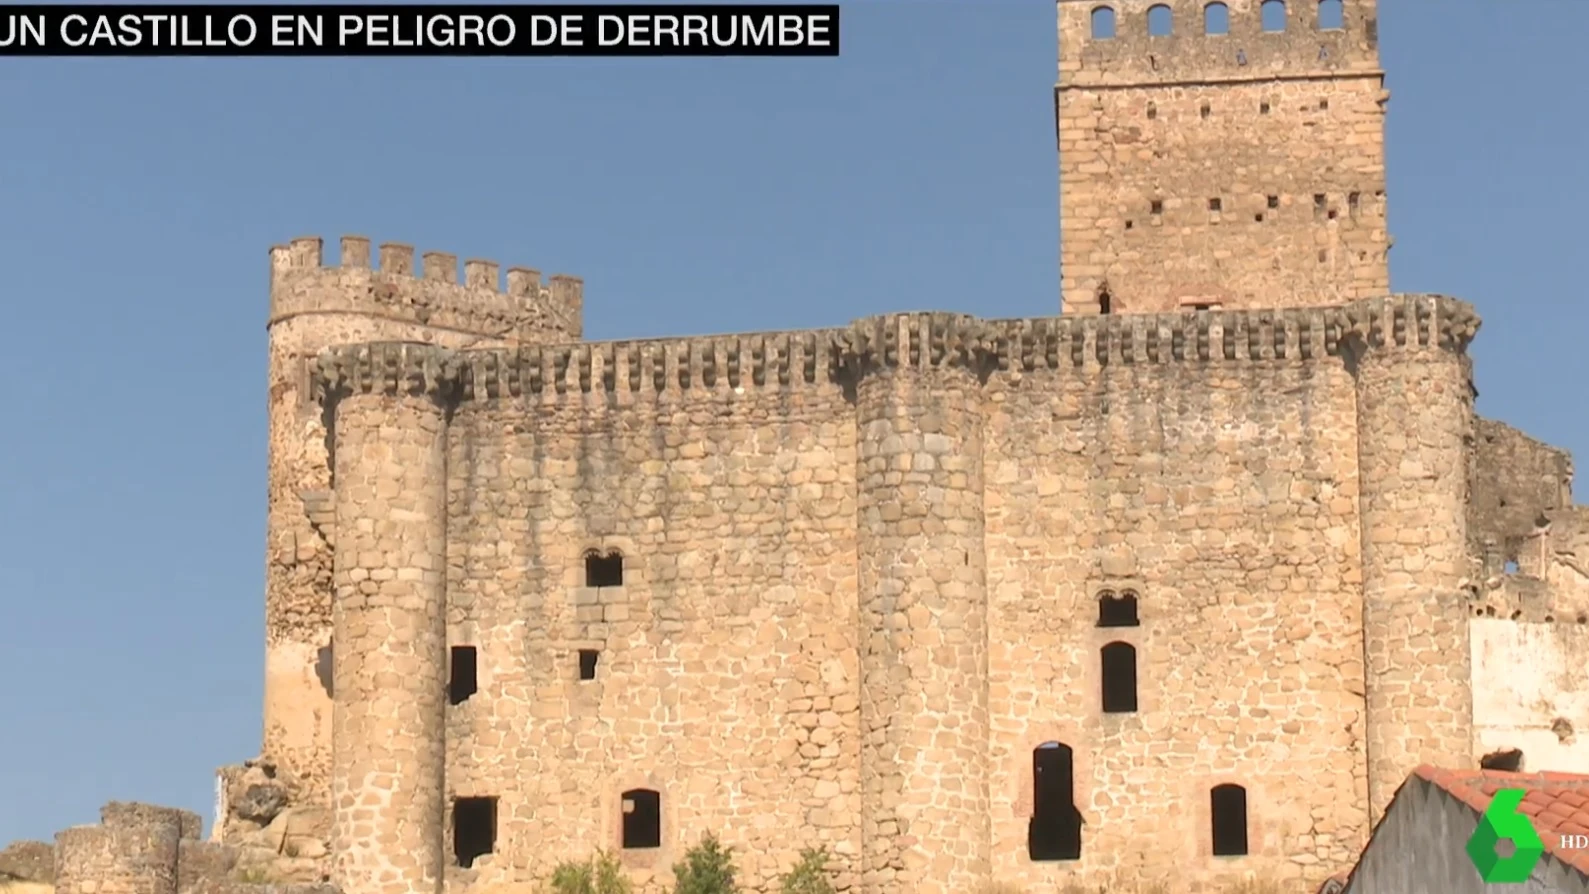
column 1173, row 589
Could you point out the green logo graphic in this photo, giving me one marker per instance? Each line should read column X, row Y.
column 1502, row 821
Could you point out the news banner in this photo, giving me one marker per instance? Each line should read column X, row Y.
column 419, row 30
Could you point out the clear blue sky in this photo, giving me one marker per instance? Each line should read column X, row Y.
column 138, row 200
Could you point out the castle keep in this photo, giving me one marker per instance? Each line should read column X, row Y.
column 1175, row 587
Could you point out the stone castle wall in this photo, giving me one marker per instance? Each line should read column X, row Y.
column 1243, row 169
column 860, row 586
column 314, row 305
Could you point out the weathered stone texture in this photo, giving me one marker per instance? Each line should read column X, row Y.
column 1238, row 170
column 123, row 859
column 390, row 636
column 1415, row 422
column 1517, row 481
column 313, row 306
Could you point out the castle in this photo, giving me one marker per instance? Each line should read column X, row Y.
column 1175, row 587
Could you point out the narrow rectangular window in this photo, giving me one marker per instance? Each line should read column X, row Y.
column 474, row 829
column 465, row 674
column 587, row 663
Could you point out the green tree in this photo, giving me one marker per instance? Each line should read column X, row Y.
column 707, row 868
column 599, row 874
column 810, row 875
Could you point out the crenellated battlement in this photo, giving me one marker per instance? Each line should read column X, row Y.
column 482, row 301
column 731, row 364
column 1138, row 42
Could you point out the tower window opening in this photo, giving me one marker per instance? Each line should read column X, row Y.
column 1214, row 205
column 1263, row 108
column 1103, row 23
column 465, row 677
column 1205, row 111
column 642, row 819
column 1156, row 206
column 1324, row 105
column 474, row 829
column 587, row 663
column 1332, row 15
column 1161, row 22
column 1120, row 609
column 1216, row 19
column 1054, row 831
column 1273, row 15
column 1272, row 201
column 1105, row 302
column 1228, row 813
column 1353, row 202
column 1119, row 666
column 604, row 570
column 1153, row 111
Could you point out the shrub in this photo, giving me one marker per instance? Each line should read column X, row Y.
column 707, row 868
column 599, row 874
column 810, row 875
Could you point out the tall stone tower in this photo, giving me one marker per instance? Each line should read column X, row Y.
column 1220, row 154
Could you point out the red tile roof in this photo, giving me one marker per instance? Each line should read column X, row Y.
column 1558, row 803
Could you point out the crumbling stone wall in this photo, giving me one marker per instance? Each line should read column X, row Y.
column 1517, row 482
column 1531, row 691
column 1241, row 170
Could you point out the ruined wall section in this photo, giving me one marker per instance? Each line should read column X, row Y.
column 1207, row 464
column 314, row 306
column 1238, row 170
column 722, row 471
column 1531, row 691
column 1517, row 482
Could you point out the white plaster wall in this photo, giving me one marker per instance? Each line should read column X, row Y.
column 1526, row 677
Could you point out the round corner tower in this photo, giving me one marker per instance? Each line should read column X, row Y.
column 314, row 307
column 923, row 585
column 1408, row 354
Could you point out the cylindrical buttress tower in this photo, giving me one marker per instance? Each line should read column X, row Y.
column 1414, row 413
column 924, row 699
column 388, row 615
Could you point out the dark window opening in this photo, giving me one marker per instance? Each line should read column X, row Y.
column 604, row 571
column 1352, row 202
column 1228, row 809
column 1273, row 201
column 1216, row 19
column 1130, row 224
column 1213, row 204
column 1103, row 23
column 1205, row 110
column 1119, row 675
column 1332, row 15
column 1508, row 759
column 1153, row 111
column 1054, row 832
column 642, row 819
column 1320, row 201
column 1324, row 105
column 1120, row 609
column 1157, row 207
column 1258, row 218
column 323, row 663
column 1324, row 255
column 1273, row 13
column 474, row 829
column 1263, row 108
column 465, row 679
column 1105, row 301
column 1202, row 307
column 1161, row 22
column 1333, row 214
column 587, row 664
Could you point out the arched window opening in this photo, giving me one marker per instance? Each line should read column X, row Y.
column 604, row 571
column 1216, row 19
column 1119, row 678
column 1105, row 301
column 642, row 819
column 1332, row 15
column 1054, row 832
column 1103, row 23
column 1273, row 15
column 1161, row 22
column 1228, row 811
column 1118, row 609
